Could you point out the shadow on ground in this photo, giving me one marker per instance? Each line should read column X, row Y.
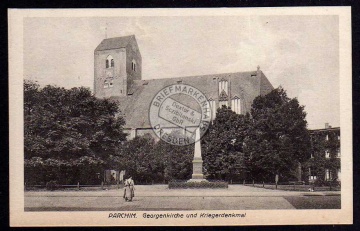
column 315, row 202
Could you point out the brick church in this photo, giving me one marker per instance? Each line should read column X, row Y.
column 118, row 75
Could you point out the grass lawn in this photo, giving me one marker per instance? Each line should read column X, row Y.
column 302, row 188
column 315, row 202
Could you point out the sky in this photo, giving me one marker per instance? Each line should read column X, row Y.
column 300, row 53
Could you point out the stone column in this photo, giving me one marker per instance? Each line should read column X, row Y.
column 197, row 174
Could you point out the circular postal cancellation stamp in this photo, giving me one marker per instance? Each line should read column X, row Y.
column 177, row 112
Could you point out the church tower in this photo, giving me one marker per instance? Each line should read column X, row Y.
column 117, row 63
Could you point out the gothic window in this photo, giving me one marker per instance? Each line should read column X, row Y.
column 223, row 86
column 236, row 105
column 327, row 137
column 213, row 108
column 223, row 93
column 223, row 99
column 133, row 65
column 109, row 61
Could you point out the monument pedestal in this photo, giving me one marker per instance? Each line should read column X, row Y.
column 197, row 171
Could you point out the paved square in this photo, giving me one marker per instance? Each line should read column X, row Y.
column 159, row 197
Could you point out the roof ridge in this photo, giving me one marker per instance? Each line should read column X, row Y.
column 119, row 37
column 206, row 75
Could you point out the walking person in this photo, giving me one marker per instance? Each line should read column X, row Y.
column 129, row 189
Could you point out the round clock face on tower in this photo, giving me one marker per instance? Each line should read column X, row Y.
column 109, row 74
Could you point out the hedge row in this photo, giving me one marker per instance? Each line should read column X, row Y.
column 201, row 184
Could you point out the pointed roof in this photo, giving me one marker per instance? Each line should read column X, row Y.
column 223, row 96
column 114, row 43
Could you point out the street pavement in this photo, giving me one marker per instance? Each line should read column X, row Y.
column 159, row 197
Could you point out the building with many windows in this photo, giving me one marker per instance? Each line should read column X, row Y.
column 324, row 162
column 118, row 75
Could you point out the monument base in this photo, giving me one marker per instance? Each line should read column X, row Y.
column 197, row 175
column 197, row 180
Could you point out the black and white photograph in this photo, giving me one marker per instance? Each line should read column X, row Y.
column 180, row 117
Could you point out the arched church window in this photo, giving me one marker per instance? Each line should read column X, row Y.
column 236, row 105
column 213, row 108
column 223, row 93
column 109, row 61
column 223, row 86
column 223, row 99
column 133, row 65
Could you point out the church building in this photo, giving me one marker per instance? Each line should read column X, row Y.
column 118, row 75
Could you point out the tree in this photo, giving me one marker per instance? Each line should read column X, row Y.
column 84, row 169
column 222, row 145
column 70, row 125
column 149, row 161
column 175, row 160
column 278, row 139
column 135, row 156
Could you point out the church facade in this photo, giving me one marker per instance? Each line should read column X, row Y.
column 118, row 76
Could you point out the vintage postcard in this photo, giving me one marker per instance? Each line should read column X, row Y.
column 180, row 117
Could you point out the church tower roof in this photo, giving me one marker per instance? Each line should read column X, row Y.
column 114, row 43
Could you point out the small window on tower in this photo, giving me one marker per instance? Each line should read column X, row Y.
column 109, row 61
column 133, row 65
column 106, row 84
